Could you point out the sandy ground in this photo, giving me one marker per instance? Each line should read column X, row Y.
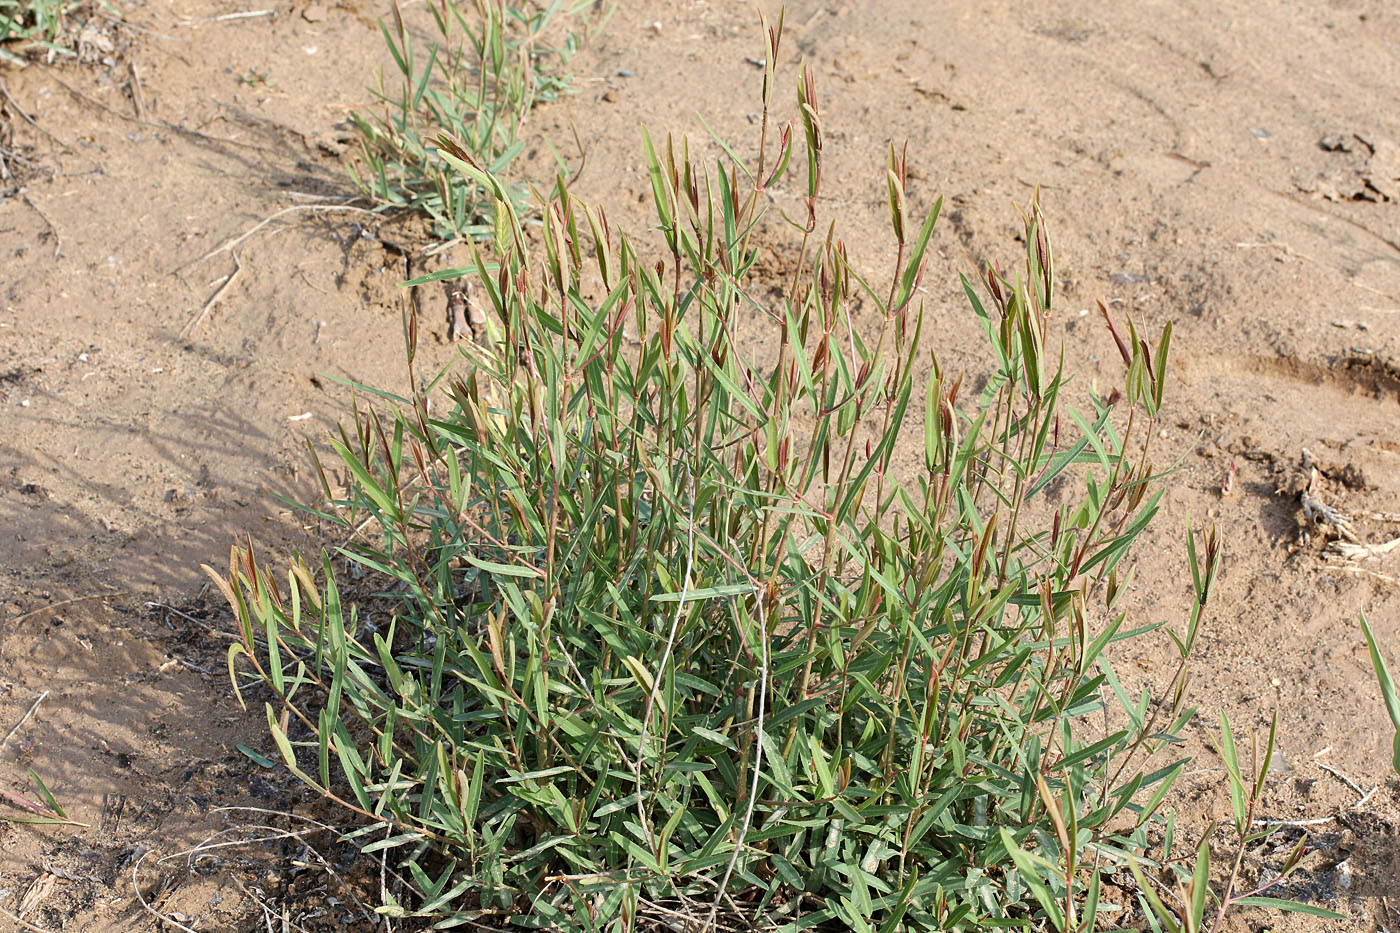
column 1229, row 166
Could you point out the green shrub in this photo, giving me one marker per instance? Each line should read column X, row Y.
column 676, row 629
column 479, row 83
column 26, row 25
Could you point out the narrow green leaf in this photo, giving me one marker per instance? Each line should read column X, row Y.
column 1278, row 903
column 1388, row 691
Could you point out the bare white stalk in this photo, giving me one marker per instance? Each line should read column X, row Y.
column 24, row 719
column 645, row 735
column 757, row 758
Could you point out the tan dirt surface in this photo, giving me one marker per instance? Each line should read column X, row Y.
column 1231, row 166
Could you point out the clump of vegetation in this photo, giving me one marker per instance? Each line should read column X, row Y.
column 1199, row 905
column 478, row 81
column 678, row 633
column 29, row 25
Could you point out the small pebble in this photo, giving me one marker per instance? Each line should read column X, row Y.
column 624, row 73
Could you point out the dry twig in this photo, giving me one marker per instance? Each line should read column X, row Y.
column 23, row 719
column 214, row 298
column 256, row 897
column 1354, row 570
column 136, row 883
column 57, row 237
column 228, row 17
column 231, row 244
column 1347, row 781
column 4, row 89
column 59, row 605
column 757, row 764
column 137, row 97
column 1356, row 551
column 23, row 924
column 166, row 607
column 1316, row 822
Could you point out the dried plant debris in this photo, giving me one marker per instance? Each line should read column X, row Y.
column 1359, row 552
column 1361, row 169
column 1337, row 525
column 1315, row 510
column 37, row 892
